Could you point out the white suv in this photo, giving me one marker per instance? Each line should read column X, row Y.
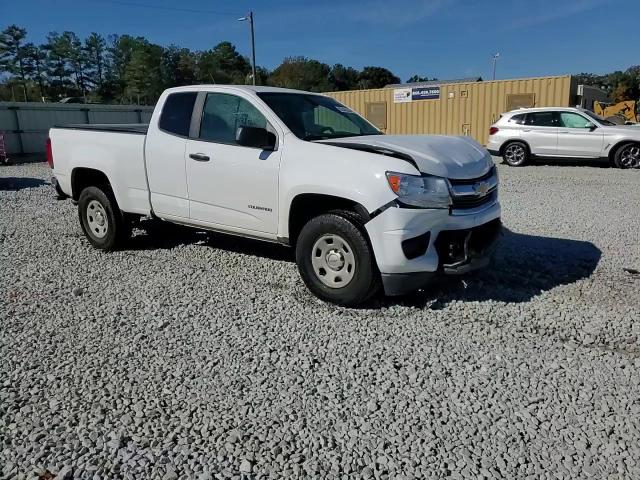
column 562, row 132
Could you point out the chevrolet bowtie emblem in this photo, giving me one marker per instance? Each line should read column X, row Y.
column 481, row 188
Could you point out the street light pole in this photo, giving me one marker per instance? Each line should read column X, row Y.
column 495, row 60
column 249, row 18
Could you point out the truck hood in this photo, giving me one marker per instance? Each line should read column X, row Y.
column 443, row 156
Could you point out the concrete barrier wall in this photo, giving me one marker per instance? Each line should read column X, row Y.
column 26, row 124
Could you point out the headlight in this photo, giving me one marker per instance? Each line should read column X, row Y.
column 420, row 191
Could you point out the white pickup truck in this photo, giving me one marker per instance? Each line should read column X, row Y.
column 363, row 210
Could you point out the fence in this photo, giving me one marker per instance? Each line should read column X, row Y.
column 27, row 124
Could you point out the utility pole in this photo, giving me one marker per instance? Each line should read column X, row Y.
column 249, row 18
column 495, row 60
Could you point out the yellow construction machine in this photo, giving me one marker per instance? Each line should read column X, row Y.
column 621, row 112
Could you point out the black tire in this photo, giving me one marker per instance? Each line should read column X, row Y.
column 627, row 156
column 347, row 226
column 515, row 154
column 114, row 230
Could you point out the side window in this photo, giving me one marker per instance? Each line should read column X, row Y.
column 573, row 120
column 542, row 119
column 517, row 119
column 176, row 113
column 224, row 114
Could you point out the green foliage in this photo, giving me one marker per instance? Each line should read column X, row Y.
column 376, row 77
column 13, row 54
column 344, row 78
column 126, row 69
column 419, row 78
column 303, row 74
column 619, row 85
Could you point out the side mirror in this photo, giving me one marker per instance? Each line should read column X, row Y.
column 591, row 126
column 256, row 137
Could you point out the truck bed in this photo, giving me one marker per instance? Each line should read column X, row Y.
column 114, row 150
column 136, row 128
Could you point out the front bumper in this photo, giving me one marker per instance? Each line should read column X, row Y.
column 459, row 242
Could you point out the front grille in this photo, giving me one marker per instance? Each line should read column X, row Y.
column 464, row 193
column 473, row 201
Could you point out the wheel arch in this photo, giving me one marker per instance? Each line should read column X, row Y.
column 306, row 206
column 83, row 177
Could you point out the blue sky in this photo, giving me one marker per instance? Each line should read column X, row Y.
column 441, row 38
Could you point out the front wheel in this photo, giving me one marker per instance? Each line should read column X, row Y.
column 335, row 259
column 101, row 220
column 628, row 156
column 515, row 154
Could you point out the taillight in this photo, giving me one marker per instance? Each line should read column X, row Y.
column 493, row 130
column 49, row 153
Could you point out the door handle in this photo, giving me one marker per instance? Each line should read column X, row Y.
column 199, row 157
column 564, row 131
column 526, row 129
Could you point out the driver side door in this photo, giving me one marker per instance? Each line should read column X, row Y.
column 231, row 186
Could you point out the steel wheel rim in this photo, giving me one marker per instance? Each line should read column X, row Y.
column 97, row 219
column 630, row 156
column 333, row 261
column 514, row 154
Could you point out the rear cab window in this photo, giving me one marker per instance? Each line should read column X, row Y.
column 176, row 113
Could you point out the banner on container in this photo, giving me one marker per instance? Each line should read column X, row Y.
column 402, row 95
column 425, row 93
column 405, row 95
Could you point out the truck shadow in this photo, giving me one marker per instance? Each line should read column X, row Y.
column 152, row 235
column 523, row 267
column 19, row 183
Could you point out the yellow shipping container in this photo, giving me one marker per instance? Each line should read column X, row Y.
column 462, row 108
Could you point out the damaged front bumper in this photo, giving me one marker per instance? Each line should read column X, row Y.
column 453, row 244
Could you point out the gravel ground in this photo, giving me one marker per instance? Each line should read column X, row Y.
column 192, row 355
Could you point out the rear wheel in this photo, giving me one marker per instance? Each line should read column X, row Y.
column 515, row 154
column 335, row 259
column 627, row 156
column 102, row 221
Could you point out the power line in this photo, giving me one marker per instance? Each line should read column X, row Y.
column 160, row 7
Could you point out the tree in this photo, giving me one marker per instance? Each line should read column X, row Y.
column 143, row 74
column 12, row 54
column 76, row 58
column 343, row 78
column 178, row 67
column 376, row 77
column 57, row 65
column 35, row 58
column 223, row 64
column 95, row 48
column 418, row 78
column 302, row 73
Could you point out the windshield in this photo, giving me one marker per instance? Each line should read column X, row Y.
column 600, row 120
column 316, row 117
